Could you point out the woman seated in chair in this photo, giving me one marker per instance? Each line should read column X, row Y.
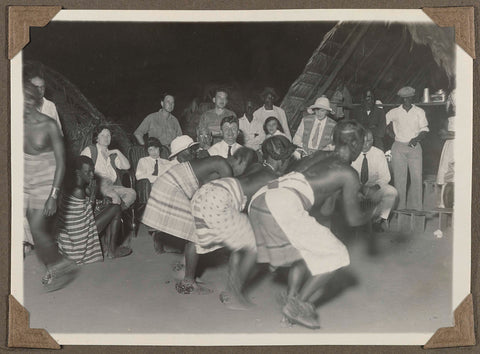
column 149, row 168
column 107, row 163
column 79, row 227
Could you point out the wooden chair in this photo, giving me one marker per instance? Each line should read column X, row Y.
column 135, row 153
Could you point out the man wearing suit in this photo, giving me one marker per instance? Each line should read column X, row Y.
column 316, row 129
column 372, row 118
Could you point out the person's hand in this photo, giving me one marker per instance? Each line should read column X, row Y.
column 50, row 207
column 413, row 142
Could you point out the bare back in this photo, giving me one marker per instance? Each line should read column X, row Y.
column 210, row 168
column 255, row 180
column 330, row 177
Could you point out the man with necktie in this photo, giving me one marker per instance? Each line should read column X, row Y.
column 316, row 129
column 227, row 147
column 372, row 168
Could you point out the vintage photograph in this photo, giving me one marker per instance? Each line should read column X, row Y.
column 273, row 177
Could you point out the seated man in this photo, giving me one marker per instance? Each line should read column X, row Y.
column 228, row 145
column 372, row 168
column 78, row 226
column 149, row 168
column 217, row 208
column 212, row 118
column 286, row 235
column 169, row 210
column 315, row 130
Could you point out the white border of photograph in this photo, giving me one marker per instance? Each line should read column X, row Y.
column 463, row 178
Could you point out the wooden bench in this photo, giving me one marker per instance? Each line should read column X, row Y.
column 445, row 216
column 406, row 220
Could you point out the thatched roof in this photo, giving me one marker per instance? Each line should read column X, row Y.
column 380, row 56
column 77, row 114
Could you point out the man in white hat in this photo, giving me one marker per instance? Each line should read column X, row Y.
column 410, row 126
column 316, row 129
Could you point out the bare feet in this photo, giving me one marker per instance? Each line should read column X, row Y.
column 302, row 313
column 186, row 287
column 59, row 274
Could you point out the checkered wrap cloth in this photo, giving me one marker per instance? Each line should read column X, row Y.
column 168, row 208
column 38, row 175
column 285, row 232
column 217, row 209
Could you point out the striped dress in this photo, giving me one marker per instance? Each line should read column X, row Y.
column 168, row 208
column 217, row 210
column 78, row 236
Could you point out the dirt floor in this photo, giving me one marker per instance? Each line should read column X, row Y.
column 405, row 288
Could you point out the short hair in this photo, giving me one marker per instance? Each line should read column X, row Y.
column 165, row 94
column 268, row 120
column 278, row 147
column 349, row 133
column 229, row 119
column 98, row 129
column 153, row 142
column 31, row 70
column 82, row 160
column 220, row 89
column 246, row 154
column 31, row 91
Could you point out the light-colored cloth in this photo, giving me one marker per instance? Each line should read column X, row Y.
column 221, row 149
column 285, row 232
column 48, row 108
column 103, row 165
column 446, row 168
column 407, row 125
column 156, row 126
column 314, row 134
column 146, row 166
column 378, row 173
column 406, row 159
column 78, row 235
column 262, row 114
column 168, row 208
column 211, row 120
column 217, row 208
column 252, row 131
column 118, row 193
column 277, row 132
column 39, row 172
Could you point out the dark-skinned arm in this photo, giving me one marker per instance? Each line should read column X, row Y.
column 418, row 138
column 59, row 151
column 351, row 186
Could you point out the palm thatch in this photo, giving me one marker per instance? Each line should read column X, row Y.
column 384, row 57
column 77, row 115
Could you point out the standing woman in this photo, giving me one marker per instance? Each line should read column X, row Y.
column 44, row 160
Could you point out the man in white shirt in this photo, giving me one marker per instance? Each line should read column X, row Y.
column 47, row 107
column 315, row 131
column 372, row 168
column 410, row 126
column 251, row 127
column 212, row 119
column 149, row 168
column 227, row 147
column 269, row 96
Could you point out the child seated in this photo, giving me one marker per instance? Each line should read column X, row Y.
column 272, row 127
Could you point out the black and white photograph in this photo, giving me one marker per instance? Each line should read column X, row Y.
column 241, row 177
